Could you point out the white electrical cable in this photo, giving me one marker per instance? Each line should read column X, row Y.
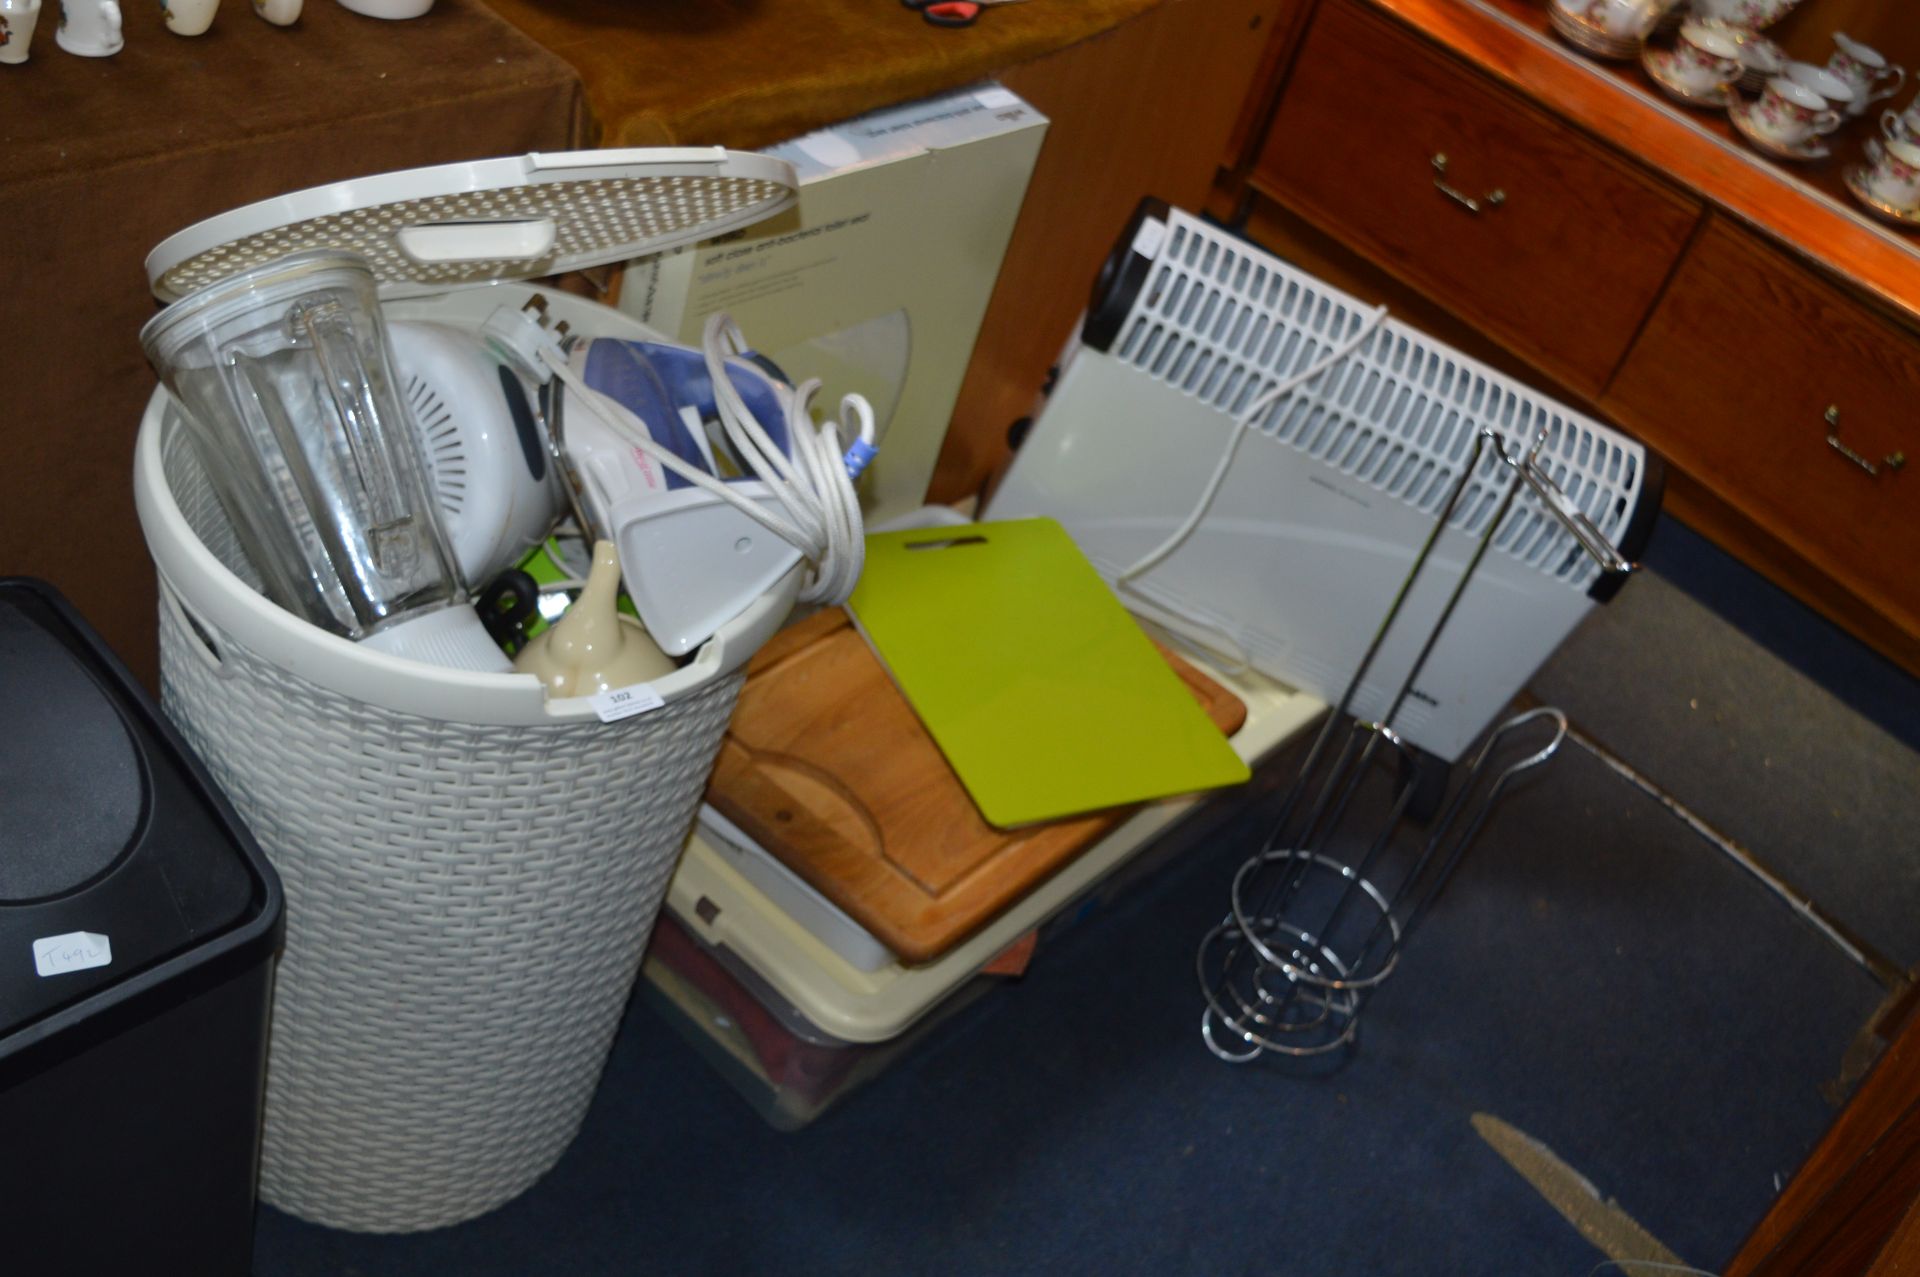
column 1172, row 618
column 815, row 487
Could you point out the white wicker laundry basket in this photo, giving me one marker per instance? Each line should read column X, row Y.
column 471, row 873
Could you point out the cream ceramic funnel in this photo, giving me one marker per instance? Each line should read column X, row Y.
column 593, row 648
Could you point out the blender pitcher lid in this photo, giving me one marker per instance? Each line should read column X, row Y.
column 518, row 217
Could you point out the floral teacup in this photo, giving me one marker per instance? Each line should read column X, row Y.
column 1751, row 14
column 1705, row 56
column 1627, row 19
column 1903, row 126
column 1870, row 74
column 1895, row 176
column 1792, row 114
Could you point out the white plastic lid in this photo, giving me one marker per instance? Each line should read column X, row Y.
column 518, row 217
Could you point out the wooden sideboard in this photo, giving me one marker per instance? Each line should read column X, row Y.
column 1452, row 158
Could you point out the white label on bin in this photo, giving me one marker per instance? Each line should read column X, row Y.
column 75, row 951
column 625, row 702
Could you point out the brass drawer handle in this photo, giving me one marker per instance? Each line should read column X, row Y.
column 1892, row 461
column 1491, row 200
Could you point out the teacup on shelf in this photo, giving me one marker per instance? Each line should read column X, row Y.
column 1893, row 177
column 1706, row 56
column 1835, row 91
column 1902, row 126
column 1618, row 19
column 1866, row 71
column 1751, row 14
column 1760, row 58
column 1791, row 115
column 1590, row 25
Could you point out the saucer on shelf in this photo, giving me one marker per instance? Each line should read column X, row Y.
column 1856, row 180
column 1589, row 38
column 1659, row 65
column 1813, row 148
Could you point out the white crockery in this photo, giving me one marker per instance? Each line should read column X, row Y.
column 17, row 20
column 1792, row 114
column 1895, row 175
column 188, row 17
column 392, row 9
column 1761, row 54
column 1751, row 14
column 1866, row 71
column 1902, row 125
column 1761, row 59
column 1835, row 90
column 89, row 28
column 281, row 13
column 1626, row 19
column 1705, row 56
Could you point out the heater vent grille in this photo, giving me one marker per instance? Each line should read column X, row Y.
column 1224, row 322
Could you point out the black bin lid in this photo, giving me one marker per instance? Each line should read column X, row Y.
column 71, row 789
column 122, row 868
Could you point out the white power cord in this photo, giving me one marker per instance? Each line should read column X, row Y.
column 1183, row 623
column 814, row 487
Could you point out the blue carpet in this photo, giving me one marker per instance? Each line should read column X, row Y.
column 1862, row 679
column 1596, row 977
column 1770, row 755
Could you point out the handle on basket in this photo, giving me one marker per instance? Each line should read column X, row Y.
column 519, row 239
column 199, row 639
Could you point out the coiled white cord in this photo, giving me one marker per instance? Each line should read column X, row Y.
column 814, row 487
column 1184, row 624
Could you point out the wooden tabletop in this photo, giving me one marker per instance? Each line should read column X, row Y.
column 747, row 73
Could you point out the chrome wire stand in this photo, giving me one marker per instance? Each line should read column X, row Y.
column 1308, row 937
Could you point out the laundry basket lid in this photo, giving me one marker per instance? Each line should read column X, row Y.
column 517, row 217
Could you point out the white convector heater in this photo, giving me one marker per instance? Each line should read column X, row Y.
column 1336, row 487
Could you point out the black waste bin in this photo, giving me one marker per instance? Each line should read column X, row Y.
column 138, row 928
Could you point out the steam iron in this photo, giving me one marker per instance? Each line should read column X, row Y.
column 691, row 560
column 530, row 419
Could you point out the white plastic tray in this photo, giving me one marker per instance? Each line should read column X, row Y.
column 718, row 904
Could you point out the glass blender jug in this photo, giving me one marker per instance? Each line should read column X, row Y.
column 284, row 379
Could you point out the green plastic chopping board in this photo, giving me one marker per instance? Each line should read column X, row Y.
column 1044, row 695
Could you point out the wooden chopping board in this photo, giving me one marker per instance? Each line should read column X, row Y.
column 827, row 767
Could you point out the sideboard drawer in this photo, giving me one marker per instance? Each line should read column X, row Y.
column 1733, row 378
column 1562, row 267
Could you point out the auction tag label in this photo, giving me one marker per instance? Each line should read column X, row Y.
column 75, row 951
column 625, row 702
